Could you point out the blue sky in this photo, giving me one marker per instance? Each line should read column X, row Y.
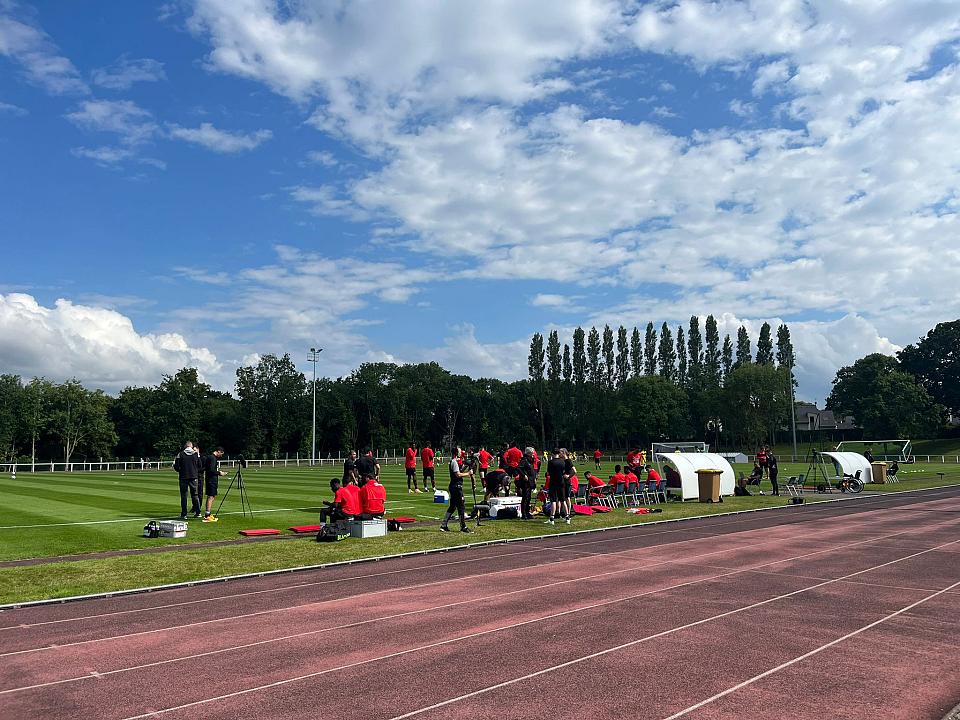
column 197, row 182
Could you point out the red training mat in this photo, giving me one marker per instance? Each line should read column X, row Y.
column 303, row 528
column 582, row 510
column 403, row 519
column 260, row 531
column 601, row 508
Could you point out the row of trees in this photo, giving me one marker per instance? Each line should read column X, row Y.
column 620, row 387
column 609, row 387
column 907, row 396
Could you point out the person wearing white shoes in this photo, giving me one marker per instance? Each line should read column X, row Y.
column 557, row 487
column 457, row 474
column 212, row 474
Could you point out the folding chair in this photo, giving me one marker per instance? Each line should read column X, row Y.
column 795, row 485
column 602, row 495
column 892, row 476
column 580, row 496
column 620, row 493
column 632, row 492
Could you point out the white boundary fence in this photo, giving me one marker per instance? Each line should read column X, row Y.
column 391, row 457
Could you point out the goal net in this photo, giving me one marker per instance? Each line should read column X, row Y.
column 900, row 450
column 684, row 447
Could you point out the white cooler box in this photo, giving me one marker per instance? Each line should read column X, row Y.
column 173, row 528
column 368, row 528
column 500, row 503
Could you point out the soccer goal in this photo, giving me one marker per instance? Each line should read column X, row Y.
column 684, row 447
column 899, row 450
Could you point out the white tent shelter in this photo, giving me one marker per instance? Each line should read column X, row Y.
column 847, row 463
column 687, row 465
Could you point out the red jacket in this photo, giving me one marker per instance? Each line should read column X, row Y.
column 372, row 496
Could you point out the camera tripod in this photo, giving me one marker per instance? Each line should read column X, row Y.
column 245, row 505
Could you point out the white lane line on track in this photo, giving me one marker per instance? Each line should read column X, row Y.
column 647, row 638
column 815, row 651
column 512, row 681
column 428, row 566
column 733, row 571
column 141, row 519
column 307, row 633
column 672, row 531
column 427, row 584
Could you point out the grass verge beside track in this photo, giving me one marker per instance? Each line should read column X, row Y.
column 114, row 508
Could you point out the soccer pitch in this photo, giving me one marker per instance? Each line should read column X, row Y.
column 50, row 516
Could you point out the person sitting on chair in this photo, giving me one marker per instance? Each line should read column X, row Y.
column 755, row 475
column 893, row 469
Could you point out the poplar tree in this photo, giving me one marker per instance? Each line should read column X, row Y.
column 667, row 355
column 650, row 351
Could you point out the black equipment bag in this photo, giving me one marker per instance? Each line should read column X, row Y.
column 151, row 529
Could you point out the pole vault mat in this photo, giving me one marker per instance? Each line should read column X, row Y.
column 259, row 531
column 303, row 529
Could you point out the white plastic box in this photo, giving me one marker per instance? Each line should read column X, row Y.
column 368, row 528
column 441, row 496
column 173, row 528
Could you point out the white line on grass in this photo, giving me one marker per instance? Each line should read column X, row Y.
column 559, row 666
column 141, row 519
column 727, row 523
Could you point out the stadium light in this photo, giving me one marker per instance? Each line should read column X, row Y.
column 314, row 352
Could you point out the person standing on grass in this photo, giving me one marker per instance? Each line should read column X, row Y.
column 774, row 470
column 426, row 460
column 484, row 458
column 526, row 481
column 367, row 467
column 596, row 458
column 187, row 465
column 410, row 465
column 349, row 468
column 212, row 473
column 457, row 474
column 558, row 491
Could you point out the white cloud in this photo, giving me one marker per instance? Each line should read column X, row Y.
column 97, row 345
column 10, row 109
column 131, row 123
column 39, row 59
column 376, row 65
column 220, row 141
column 463, row 353
column 126, row 71
column 103, row 155
column 321, row 157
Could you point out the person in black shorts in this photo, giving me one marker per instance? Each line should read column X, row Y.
column 526, row 481
column 212, row 473
column 774, row 471
column 457, row 474
column 494, row 482
column 558, row 493
column 350, row 468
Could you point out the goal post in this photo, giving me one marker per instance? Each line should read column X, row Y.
column 685, row 447
column 900, row 450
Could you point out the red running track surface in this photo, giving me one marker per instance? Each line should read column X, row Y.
column 842, row 610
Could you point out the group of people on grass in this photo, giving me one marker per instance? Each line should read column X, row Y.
column 358, row 493
column 765, row 464
column 191, row 466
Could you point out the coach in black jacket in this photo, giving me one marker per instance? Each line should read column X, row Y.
column 187, row 465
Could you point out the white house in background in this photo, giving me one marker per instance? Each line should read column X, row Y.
column 810, row 418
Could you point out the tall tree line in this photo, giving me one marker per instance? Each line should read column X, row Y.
column 610, row 387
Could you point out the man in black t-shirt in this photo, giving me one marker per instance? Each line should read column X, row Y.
column 350, row 468
column 212, row 473
column 457, row 474
column 557, row 491
column 367, row 467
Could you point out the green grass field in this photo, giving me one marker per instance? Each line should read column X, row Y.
column 51, row 515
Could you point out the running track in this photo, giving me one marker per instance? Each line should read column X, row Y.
column 843, row 610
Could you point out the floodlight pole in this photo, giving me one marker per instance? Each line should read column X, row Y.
column 314, row 352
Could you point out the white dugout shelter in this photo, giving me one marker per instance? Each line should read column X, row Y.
column 847, row 463
column 687, row 465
